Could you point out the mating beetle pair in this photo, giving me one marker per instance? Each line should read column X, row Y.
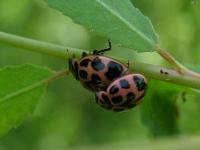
column 114, row 86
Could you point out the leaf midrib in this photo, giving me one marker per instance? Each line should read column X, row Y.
column 125, row 21
column 21, row 91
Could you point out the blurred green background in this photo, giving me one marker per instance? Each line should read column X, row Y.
column 67, row 116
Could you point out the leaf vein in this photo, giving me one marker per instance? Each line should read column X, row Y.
column 126, row 22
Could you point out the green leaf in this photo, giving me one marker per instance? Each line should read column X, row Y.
column 117, row 20
column 159, row 111
column 20, row 89
column 189, row 106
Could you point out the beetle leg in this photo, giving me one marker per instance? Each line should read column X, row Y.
column 100, row 52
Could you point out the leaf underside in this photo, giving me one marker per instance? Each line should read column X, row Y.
column 159, row 111
column 20, row 89
column 117, row 20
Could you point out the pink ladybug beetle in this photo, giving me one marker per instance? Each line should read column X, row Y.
column 124, row 93
column 96, row 71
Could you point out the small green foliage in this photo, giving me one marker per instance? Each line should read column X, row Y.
column 20, row 89
column 118, row 20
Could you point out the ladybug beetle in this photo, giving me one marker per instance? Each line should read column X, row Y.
column 95, row 71
column 124, row 93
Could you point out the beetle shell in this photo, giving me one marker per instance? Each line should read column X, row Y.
column 124, row 93
column 96, row 72
column 73, row 67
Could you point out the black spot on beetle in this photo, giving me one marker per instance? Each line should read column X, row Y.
column 137, row 100
column 88, row 85
column 114, row 70
column 140, row 83
column 114, row 89
column 106, row 106
column 75, row 72
column 83, row 74
column 102, row 102
column 96, row 98
column 101, row 87
column 106, row 99
column 97, row 64
column 96, row 79
column 131, row 106
column 124, row 84
column 117, row 99
column 130, row 96
column 73, row 67
column 85, row 62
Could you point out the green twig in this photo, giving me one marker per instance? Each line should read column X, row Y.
column 57, row 75
column 179, row 67
column 151, row 71
column 39, row 46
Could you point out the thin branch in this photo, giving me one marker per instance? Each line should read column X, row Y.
column 39, row 46
column 179, row 67
column 167, row 56
column 166, row 74
column 57, row 75
column 151, row 71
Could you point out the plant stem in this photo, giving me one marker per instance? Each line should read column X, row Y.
column 179, row 67
column 166, row 74
column 57, row 75
column 39, row 46
column 167, row 56
column 151, row 71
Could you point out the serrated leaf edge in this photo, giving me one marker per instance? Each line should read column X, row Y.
column 126, row 22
